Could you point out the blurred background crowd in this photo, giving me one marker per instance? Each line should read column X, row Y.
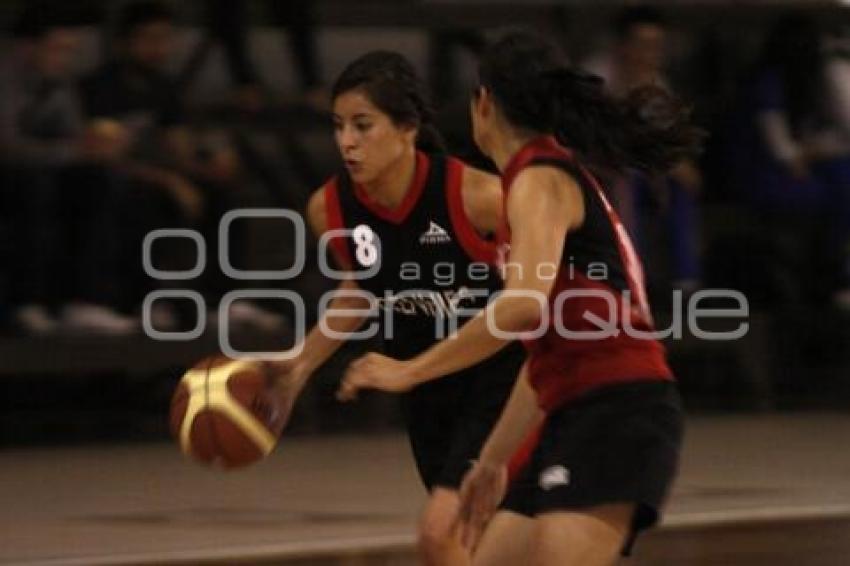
column 119, row 118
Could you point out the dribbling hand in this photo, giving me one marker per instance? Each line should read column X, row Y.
column 481, row 492
column 375, row 371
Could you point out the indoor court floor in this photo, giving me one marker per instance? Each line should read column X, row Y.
column 754, row 490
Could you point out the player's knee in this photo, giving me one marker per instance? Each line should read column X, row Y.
column 433, row 540
column 436, row 541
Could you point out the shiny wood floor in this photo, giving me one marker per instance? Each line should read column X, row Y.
column 753, row 491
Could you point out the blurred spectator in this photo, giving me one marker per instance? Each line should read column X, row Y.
column 635, row 60
column 168, row 163
column 227, row 22
column 131, row 97
column 59, row 193
column 792, row 151
column 638, row 54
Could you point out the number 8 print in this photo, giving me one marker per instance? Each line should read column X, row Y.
column 367, row 250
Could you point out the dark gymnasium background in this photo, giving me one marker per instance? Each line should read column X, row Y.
column 109, row 131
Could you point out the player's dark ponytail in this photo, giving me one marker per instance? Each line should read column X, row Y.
column 391, row 83
column 536, row 91
column 429, row 139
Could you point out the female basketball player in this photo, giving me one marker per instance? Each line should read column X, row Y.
column 418, row 218
column 609, row 445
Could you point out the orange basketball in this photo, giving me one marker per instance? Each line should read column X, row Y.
column 224, row 413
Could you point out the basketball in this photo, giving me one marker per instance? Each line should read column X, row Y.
column 224, row 414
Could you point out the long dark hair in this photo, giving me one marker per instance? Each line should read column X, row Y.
column 537, row 91
column 390, row 82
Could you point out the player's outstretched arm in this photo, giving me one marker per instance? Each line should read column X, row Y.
column 319, row 345
column 483, row 487
column 543, row 205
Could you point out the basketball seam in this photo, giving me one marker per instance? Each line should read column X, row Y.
column 221, row 402
column 214, row 440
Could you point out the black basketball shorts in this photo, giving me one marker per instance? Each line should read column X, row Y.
column 617, row 444
column 449, row 419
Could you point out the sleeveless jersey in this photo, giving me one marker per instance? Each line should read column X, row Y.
column 432, row 261
column 598, row 290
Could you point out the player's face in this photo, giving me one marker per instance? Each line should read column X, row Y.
column 368, row 140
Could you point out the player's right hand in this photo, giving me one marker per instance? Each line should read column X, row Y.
column 481, row 492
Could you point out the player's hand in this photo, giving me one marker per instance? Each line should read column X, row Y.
column 481, row 492
column 375, row 371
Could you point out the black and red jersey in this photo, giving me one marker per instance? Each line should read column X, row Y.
column 598, row 290
column 425, row 246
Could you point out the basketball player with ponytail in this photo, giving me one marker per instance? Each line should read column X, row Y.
column 411, row 211
column 608, row 447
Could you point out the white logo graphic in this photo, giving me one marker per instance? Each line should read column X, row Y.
column 553, row 477
column 687, row 313
column 435, row 234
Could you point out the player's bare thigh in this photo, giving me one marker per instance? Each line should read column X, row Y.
column 506, row 541
column 592, row 537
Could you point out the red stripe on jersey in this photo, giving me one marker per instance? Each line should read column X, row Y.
column 333, row 213
column 633, row 265
column 472, row 243
column 522, row 457
column 542, row 147
column 398, row 214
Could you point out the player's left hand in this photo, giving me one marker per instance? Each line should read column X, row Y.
column 375, row 371
column 481, row 492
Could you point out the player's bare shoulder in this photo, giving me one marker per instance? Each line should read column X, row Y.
column 541, row 188
column 482, row 199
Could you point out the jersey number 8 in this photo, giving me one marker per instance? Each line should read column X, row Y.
column 366, row 248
